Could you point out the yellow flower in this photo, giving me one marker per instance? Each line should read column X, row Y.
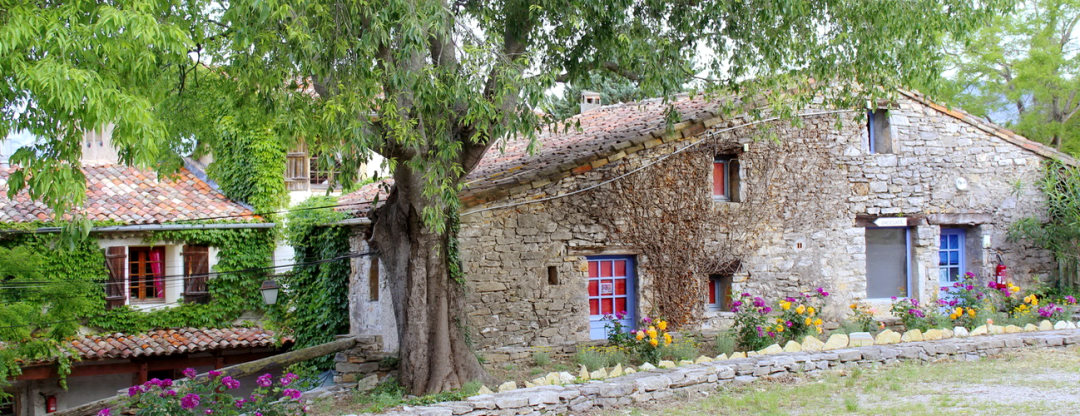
column 953, row 316
column 654, row 342
column 651, row 332
column 662, row 325
column 808, row 322
column 779, row 328
column 640, row 335
column 819, row 330
column 959, row 310
column 971, row 312
column 667, row 339
column 818, row 322
column 652, row 328
column 800, row 309
column 785, row 305
column 854, row 306
column 810, row 310
column 1013, row 288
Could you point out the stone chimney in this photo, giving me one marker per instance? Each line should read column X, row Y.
column 589, row 100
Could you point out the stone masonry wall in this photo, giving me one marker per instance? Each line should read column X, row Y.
column 794, row 229
column 687, row 381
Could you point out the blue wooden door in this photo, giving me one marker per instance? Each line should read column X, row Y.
column 612, row 292
column 951, row 256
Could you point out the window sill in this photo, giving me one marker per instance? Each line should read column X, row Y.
column 151, row 306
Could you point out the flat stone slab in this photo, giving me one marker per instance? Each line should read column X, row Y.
column 772, row 349
column 933, row 335
column 979, row 330
column 507, row 386
column 812, row 344
column 666, row 364
column 887, row 337
column 960, row 332
column 792, row 346
column 860, row 339
column 1045, row 325
column 913, row 335
column 835, row 342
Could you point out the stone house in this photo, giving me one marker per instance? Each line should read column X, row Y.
column 631, row 214
column 129, row 207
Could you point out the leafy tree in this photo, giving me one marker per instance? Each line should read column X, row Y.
column 42, row 303
column 1022, row 70
column 612, row 90
column 430, row 85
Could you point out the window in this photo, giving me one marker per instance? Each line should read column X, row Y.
column 611, row 293
column 888, row 254
column 196, row 274
column 720, row 293
column 324, row 171
column 725, row 178
column 951, row 256
column 880, row 135
column 146, row 274
column 373, row 279
column 115, row 260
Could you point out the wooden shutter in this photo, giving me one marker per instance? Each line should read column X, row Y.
column 196, row 270
column 115, row 263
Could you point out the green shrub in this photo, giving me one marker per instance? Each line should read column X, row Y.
column 595, row 358
column 725, row 343
column 685, row 348
column 541, row 359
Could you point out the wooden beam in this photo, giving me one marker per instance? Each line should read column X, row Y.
column 84, row 369
column 238, row 370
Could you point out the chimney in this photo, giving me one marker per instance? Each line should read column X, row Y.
column 589, row 100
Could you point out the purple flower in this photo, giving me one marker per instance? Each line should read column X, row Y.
column 1070, row 299
column 745, row 295
column 291, row 393
column 189, row 401
column 646, row 320
column 190, row 372
column 105, row 412
column 735, row 309
column 168, row 393
column 230, row 383
column 265, row 380
column 789, row 324
column 239, row 403
column 209, row 411
column 943, row 289
column 288, row 379
column 772, row 334
column 758, row 301
column 915, row 303
column 760, row 332
column 789, row 299
column 894, row 298
column 969, row 287
column 766, row 310
column 737, row 303
column 134, row 391
column 214, row 374
column 620, row 314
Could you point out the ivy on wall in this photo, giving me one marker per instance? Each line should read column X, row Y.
column 249, row 165
column 231, row 294
column 317, row 299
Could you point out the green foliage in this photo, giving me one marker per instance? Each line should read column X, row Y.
column 316, row 306
column 1022, row 70
column 389, row 393
column 596, row 357
column 541, row 359
column 213, row 395
column 249, row 166
column 43, row 297
column 725, row 343
column 231, row 294
column 1061, row 232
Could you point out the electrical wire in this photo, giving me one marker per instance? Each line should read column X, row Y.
column 175, row 277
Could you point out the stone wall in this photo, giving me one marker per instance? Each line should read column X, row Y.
column 795, row 227
column 686, row 381
column 366, row 363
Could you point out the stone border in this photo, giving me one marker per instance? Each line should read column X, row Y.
column 658, row 385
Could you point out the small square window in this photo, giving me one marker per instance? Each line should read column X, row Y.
column 725, row 178
column 879, row 137
column 720, row 293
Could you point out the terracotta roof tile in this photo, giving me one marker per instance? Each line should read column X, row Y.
column 132, row 196
column 164, row 342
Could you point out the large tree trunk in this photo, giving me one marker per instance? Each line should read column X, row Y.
column 428, row 304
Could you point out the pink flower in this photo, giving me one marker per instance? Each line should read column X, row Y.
column 214, row 374
column 168, row 393
column 230, row 383
column 209, row 411
column 105, row 412
column 1070, row 299
column 288, row 379
column 239, row 403
column 265, row 380
column 291, row 393
column 190, row 372
column 134, row 391
column 189, row 401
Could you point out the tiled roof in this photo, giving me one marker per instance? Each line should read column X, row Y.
column 171, row 341
column 131, row 196
column 360, row 200
column 609, row 133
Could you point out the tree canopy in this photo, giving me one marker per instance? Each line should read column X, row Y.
column 1022, row 70
column 428, row 84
